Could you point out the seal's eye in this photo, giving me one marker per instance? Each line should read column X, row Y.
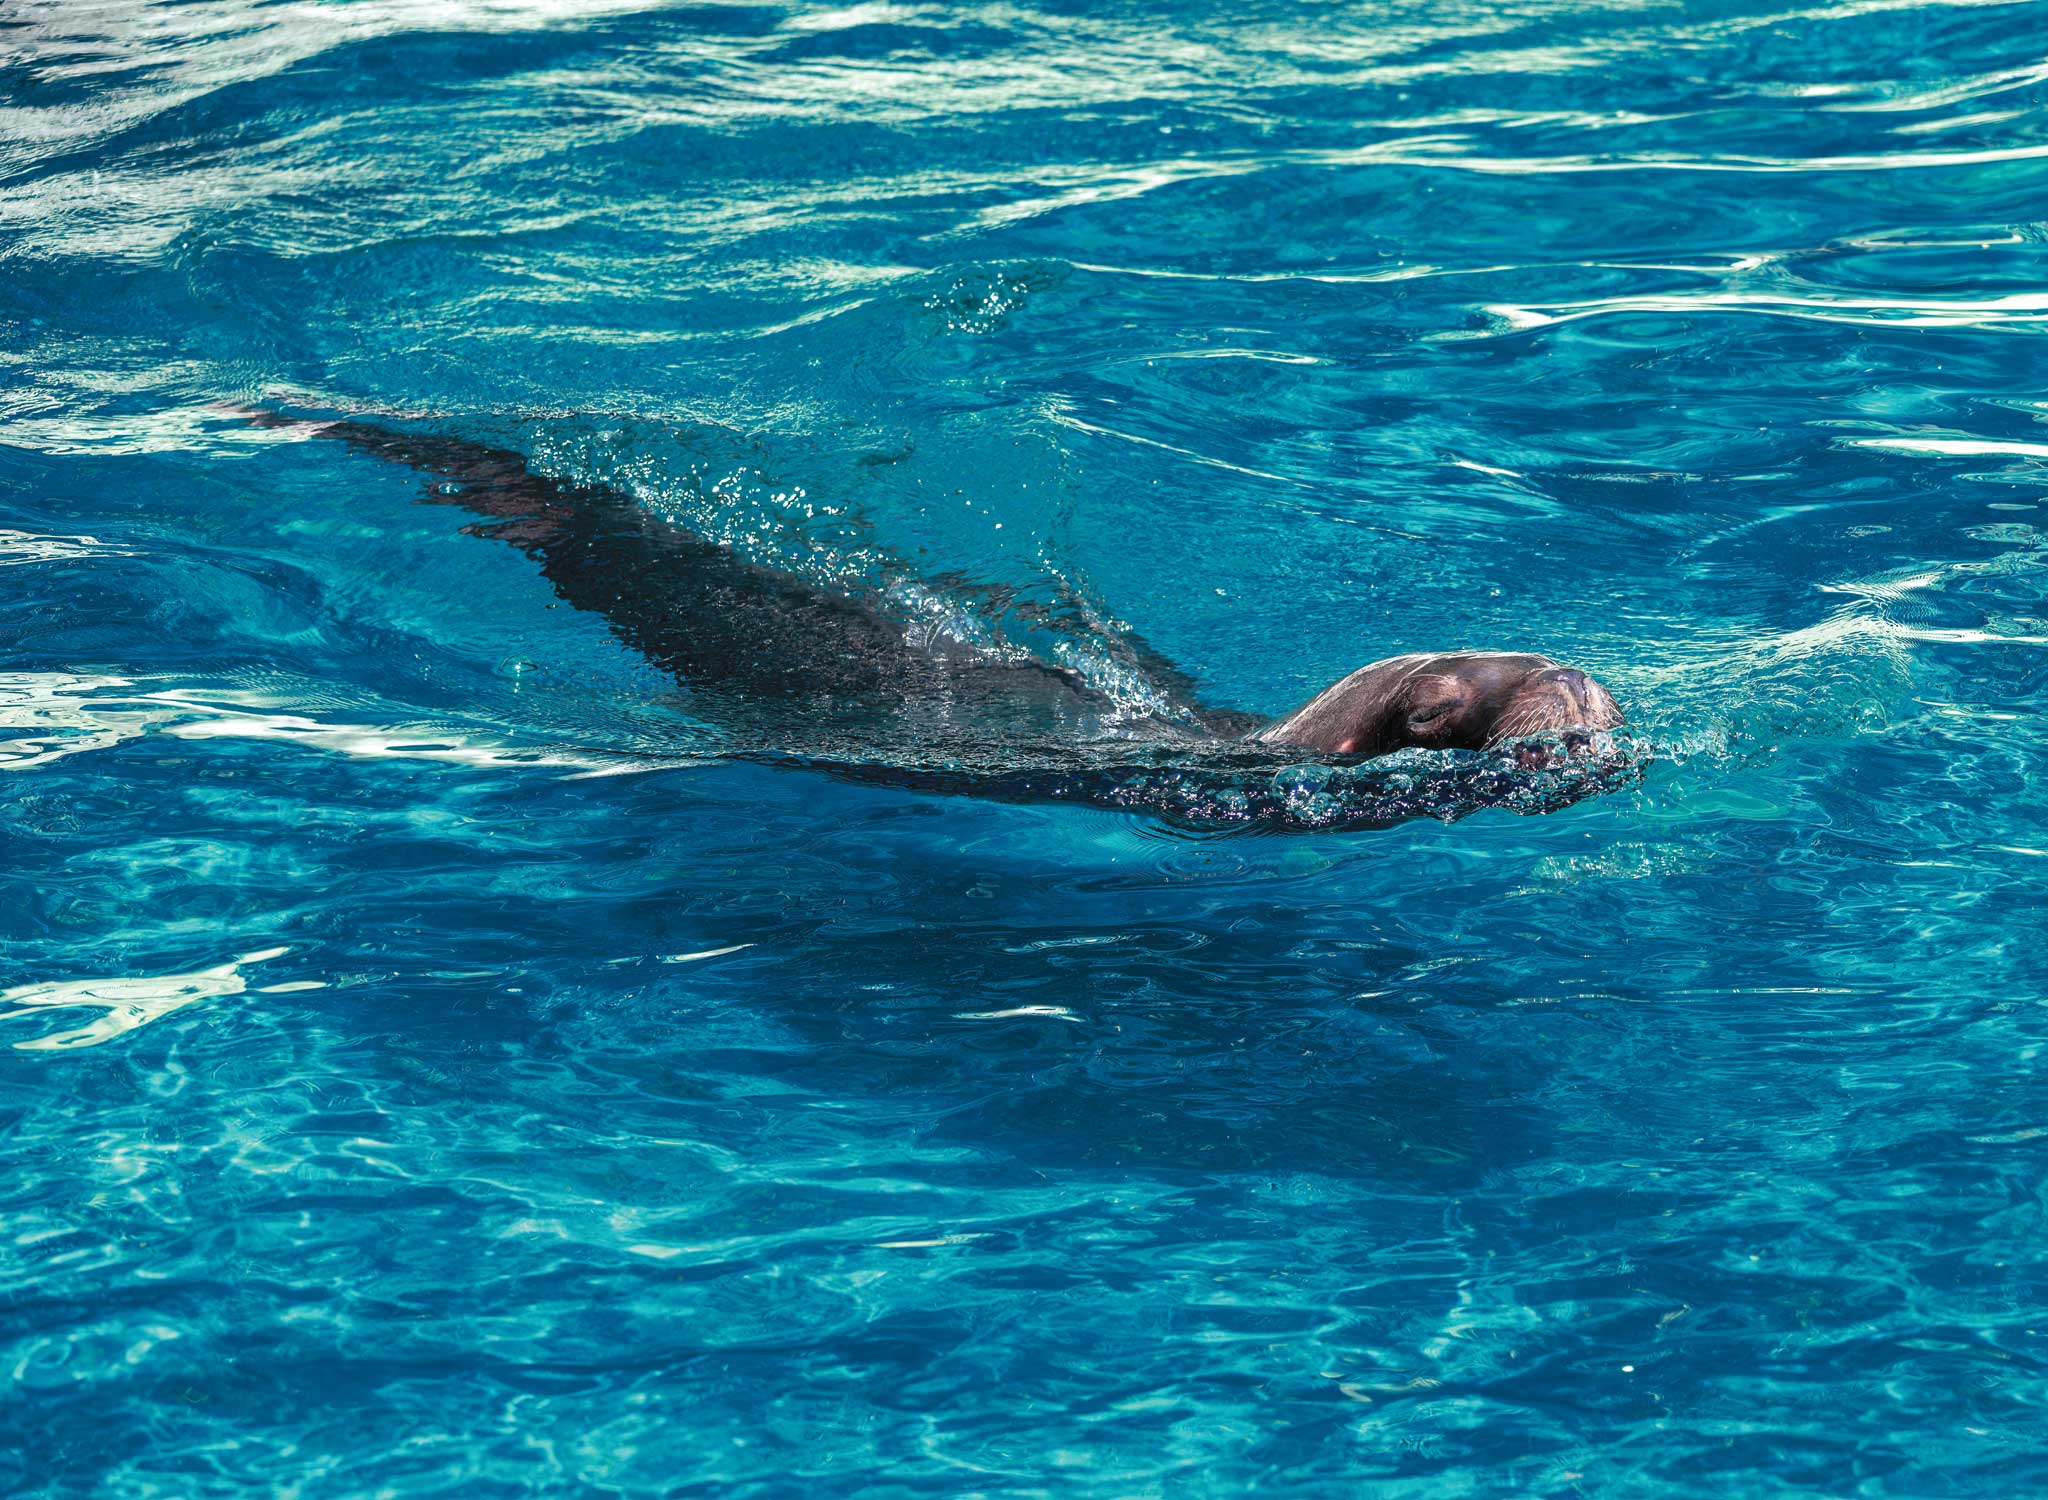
column 1432, row 701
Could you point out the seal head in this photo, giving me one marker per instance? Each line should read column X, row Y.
column 1459, row 700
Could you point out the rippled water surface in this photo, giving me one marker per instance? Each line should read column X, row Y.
column 443, row 1055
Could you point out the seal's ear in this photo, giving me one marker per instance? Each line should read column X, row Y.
column 1430, row 698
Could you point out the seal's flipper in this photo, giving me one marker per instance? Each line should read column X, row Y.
column 693, row 608
column 491, row 481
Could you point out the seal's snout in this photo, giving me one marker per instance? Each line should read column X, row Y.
column 1581, row 701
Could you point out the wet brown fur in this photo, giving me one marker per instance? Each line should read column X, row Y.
column 1457, row 700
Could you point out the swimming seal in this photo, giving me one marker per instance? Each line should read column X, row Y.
column 812, row 670
column 1457, row 700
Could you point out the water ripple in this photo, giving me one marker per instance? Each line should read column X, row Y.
column 400, row 1105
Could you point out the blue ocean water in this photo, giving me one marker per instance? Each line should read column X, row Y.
column 437, row 1064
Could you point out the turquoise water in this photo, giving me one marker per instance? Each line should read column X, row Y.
column 445, row 1056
